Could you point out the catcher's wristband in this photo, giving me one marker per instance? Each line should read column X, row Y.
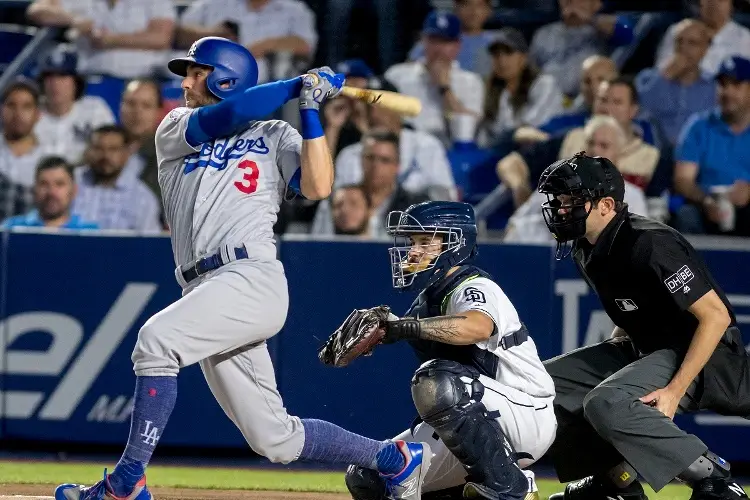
column 403, row 329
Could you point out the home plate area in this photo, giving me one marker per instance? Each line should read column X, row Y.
column 42, row 492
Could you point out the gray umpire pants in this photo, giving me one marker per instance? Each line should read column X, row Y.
column 601, row 420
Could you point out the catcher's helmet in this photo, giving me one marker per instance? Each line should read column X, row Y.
column 231, row 62
column 453, row 221
column 582, row 179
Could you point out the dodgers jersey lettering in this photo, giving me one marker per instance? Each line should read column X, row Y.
column 227, row 191
column 519, row 367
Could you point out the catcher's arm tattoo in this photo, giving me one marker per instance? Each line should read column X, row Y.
column 465, row 328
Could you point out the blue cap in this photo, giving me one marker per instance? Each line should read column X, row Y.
column 61, row 61
column 356, row 68
column 443, row 25
column 735, row 67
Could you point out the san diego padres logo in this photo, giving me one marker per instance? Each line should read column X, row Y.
column 473, row 295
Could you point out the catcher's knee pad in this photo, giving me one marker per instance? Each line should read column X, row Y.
column 364, row 484
column 448, row 397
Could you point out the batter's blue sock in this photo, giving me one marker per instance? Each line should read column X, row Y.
column 326, row 442
column 153, row 402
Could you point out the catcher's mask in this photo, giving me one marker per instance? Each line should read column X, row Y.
column 569, row 184
column 451, row 223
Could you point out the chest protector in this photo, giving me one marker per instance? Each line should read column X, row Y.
column 429, row 304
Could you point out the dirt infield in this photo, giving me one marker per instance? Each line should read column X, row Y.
column 42, row 492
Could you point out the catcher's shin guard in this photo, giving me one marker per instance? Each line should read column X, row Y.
column 468, row 430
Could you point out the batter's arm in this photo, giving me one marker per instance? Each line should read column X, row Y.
column 466, row 328
column 316, row 179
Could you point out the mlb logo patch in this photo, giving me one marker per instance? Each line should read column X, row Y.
column 626, row 305
column 679, row 280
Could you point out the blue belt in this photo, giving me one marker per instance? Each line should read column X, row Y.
column 206, row 264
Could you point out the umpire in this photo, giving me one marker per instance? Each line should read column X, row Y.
column 676, row 347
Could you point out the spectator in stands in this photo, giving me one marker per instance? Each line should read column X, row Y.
column 381, row 166
column 517, row 94
column 424, row 165
column 475, row 41
column 713, row 157
column 140, row 113
column 266, row 27
column 679, row 88
column 14, row 198
column 727, row 37
column 637, row 161
column 68, row 116
column 594, row 70
column 443, row 87
column 20, row 148
column 350, row 210
column 54, row 191
column 560, row 48
column 603, row 137
column 112, row 200
column 120, row 38
column 344, row 118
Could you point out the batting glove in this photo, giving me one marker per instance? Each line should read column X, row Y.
column 324, row 85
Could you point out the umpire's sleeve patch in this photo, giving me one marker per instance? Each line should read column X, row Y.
column 680, row 280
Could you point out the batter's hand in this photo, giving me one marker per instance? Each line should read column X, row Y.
column 319, row 85
column 666, row 400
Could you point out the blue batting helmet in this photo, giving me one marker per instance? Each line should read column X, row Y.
column 232, row 64
column 412, row 263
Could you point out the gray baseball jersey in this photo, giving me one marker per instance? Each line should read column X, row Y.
column 227, row 191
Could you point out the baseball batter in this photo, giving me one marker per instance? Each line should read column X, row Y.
column 223, row 175
column 482, row 393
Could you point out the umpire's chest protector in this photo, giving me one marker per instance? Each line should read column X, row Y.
column 431, row 303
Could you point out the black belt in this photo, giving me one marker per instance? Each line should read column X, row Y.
column 206, row 264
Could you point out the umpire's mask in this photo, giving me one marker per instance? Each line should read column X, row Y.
column 569, row 184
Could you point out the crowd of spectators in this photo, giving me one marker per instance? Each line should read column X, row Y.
column 678, row 128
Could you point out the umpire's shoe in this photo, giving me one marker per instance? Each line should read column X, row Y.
column 593, row 488
column 100, row 491
column 717, row 488
column 407, row 484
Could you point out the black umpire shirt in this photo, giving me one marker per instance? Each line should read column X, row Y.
column 647, row 275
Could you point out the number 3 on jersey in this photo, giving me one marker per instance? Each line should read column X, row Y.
column 249, row 182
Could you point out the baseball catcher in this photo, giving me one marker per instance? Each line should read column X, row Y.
column 482, row 394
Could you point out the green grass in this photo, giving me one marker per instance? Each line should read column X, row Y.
column 221, row 478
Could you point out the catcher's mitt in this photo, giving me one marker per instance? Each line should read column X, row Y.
column 361, row 331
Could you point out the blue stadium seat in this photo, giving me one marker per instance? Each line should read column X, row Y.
column 13, row 38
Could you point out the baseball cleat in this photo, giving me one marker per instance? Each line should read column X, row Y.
column 407, row 484
column 100, row 491
column 713, row 488
column 592, row 488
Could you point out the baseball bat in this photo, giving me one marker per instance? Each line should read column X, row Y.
column 400, row 103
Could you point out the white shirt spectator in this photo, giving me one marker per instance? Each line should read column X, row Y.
column 411, row 78
column 22, row 169
column 527, row 225
column 126, row 16
column 731, row 40
column 278, row 18
column 129, row 205
column 424, row 164
column 545, row 101
column 67, row 135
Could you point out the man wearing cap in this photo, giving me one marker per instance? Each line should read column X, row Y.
column 675, row 348
column 473, row 55
column 713, row 159
column 450, row 95
column 345, row 119
column 68, row 116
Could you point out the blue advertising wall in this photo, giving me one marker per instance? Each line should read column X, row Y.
column 71, row 307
